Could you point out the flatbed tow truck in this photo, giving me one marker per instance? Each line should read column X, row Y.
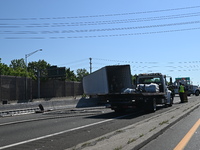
column 114, row 83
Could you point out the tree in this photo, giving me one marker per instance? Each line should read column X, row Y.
column 41, row 65
column 4, row 69
column 18, row 63
column 134, row 79
column 81, row 73
column 70, row 75
column 18, row 68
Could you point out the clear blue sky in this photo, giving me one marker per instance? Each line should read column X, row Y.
column 151, row 36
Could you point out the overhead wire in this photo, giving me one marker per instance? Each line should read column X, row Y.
column 103, row 15
column 134, row 34
column 105, row 35
column 104, row 30
column 61, row 32
column 75, row 62
column 137, row 66
column 87, row 23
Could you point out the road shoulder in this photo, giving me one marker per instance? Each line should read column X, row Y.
column 139, row 134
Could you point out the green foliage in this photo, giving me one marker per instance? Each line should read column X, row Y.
column 18, row 68
column 18, row 72
column 18, row 64
column 4, row 69
column 34, row 67
column 81, row 73
column 70, row 75
column 134, row 79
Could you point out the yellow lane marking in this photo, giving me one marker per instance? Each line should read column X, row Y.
column 181, row 145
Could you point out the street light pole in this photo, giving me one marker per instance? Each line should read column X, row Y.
column 26, row 56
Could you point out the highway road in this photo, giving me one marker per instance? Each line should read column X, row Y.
column 60, row 129
column 65, row 128
column 185, row 134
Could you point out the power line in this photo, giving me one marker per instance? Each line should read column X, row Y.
column 75, row 62
column 131, row 20
column 140, row 66
column 86, row 23
column 106, row 15
column 146, row 62
column 105, row 35
column 134, row 34
column 132, row 28
column 100, row 30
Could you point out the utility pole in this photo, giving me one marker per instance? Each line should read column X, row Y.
column 90, row 65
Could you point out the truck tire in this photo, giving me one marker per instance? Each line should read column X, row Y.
column 153, row 105
column 197, row 93
column 171, row 101
column 150, row 106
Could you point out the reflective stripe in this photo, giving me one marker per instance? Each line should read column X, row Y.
column 181, row 89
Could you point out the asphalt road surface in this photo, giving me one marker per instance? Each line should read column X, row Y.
column 60, row 130
column 65, row 128
column 185, row 134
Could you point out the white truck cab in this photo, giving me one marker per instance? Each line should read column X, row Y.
column 155, row 83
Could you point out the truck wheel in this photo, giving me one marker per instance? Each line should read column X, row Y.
column 197, row 93
column 150, row 106
column 153, row 105
column 171, row 101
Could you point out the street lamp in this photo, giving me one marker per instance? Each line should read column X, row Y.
column 26, row 56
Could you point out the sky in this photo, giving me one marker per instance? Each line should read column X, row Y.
column 150, row 36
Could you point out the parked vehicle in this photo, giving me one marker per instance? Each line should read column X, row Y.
column 114, row 83
column 190, row 88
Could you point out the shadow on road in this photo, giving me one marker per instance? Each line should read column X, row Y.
column 129, row 114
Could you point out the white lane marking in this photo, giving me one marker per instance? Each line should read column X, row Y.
column 58, row 133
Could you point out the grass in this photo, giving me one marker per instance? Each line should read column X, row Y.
column 164, row 122
column 119, row 131
column 131, row 141
column 118, row 148
column 152, row 129
column 85, row 144
column 141, row 135
column 101, row 139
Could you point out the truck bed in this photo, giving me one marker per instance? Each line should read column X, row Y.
column 122, row 101
column 123, row 97
column 138, row 94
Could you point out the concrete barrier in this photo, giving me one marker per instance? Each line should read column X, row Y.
column 53, row 104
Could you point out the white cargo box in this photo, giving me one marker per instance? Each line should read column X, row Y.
column 109, row 79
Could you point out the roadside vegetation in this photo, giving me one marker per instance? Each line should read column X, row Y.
column 17, row 67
